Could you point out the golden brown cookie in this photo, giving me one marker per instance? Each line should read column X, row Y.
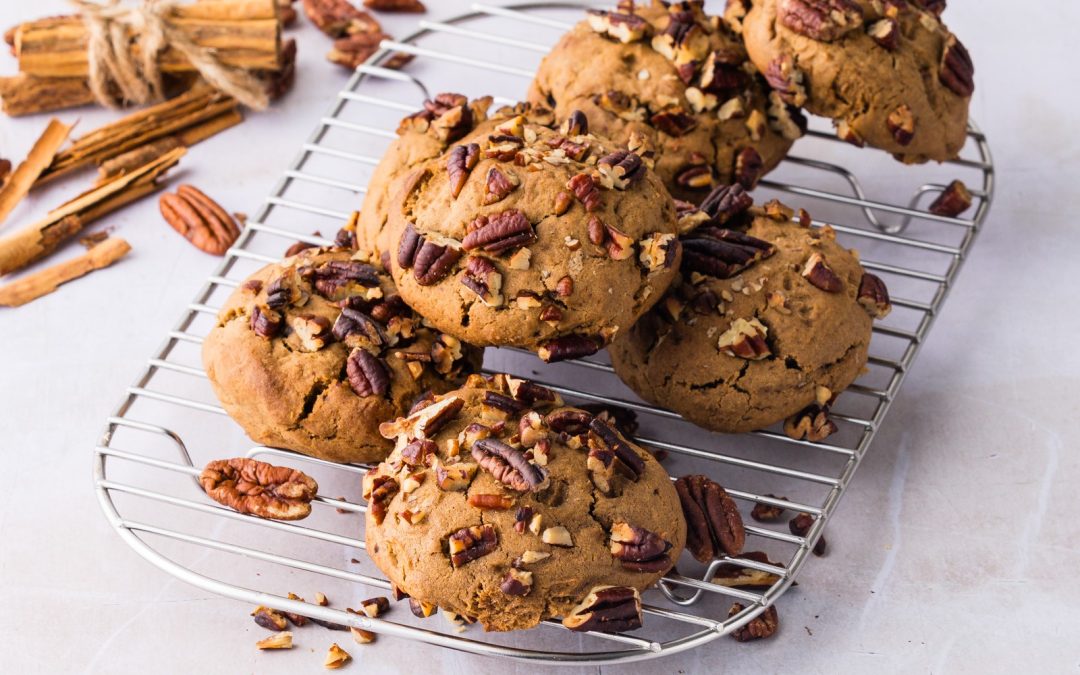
column 421, row 136
column 887, row 72
column 313, row 352
column 772, row 316
column 677, row 86
column 530, row 235
column 502, row 505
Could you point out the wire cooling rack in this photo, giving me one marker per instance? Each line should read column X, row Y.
column 169, row 424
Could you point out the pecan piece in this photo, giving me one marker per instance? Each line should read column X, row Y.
column 713, row 523
column 576, row 124
column 785, row 119
column 695, row 177
column 745, row 339
column 282, row 640
column 569, row 347
column 674, row 122
column 337, row 277
column 509, row 465
column 822, row 20
column 422, row 609
column 312, row 331
column 953, row 201
column 367, row 374
column 375, row 607
column 569, row 421
column 725, row 202
column 901, row 124
column 199, row 219
column 500, row 232
column 454, row 477
column 619, row 169
column 786, row 80
column 517, row 582
column 604, row 436
column 811, row 423
column 532, row 394
column 762, row 626
column 620, row 246
column 260, row 489
column 266, row 322
column 498, row 185
column 625, row 28
column 470, row 543
column 459, row 163
column 800, row 525
column 449, row 115
column 722, row 253
column 430, row 262
column 886, row 33
column 585, row 189
column 623, row 419
column 767, row 513
column 482, row 278
column 874, row 296
column 606, row 609
column 658, row 251
column 356, row 329
column 640, row 550
column 734, row 576
column 490, row 502
column 846, row 133
column 379, row 490
column 818, row 273
column 270, row 619
column 410, row 6
column 749, row 167
column 351, row 51
column 337, row 18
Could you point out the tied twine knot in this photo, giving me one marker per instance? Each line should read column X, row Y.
column 114, row 66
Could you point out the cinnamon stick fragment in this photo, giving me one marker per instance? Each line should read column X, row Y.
column 48, row 280
column 23, row 247
column 41, row 155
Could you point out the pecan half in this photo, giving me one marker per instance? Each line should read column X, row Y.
column 576, row 124
column 430, row 262
column 953, row 201
column 674, row 122
column 786, row 80
column 586, row 190
column 811, row 423
column 606, row 609
column 517, row 582
column 762, row 626
column 749, row 167
column 901, row 124
column 459, row 163
column 569, row 347
column 846, row 133
column 713, row 523
column 470, row 543
column 874, row 296
column 266, row 322
column 823, row 20
column 500, row 232
column 722, row 253
column 818, row 273
column 619, row 169
column 625, row 28
column 725, row 202
column 367, row 374
column 640, row 550
column 260, row 489
column 886, row 33
column 509, row 465
column 199, row 219
column 745, row 339
column 497, row 185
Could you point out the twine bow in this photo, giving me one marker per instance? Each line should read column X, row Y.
column 113, row 62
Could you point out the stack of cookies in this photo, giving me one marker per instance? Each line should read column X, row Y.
column 610, row 210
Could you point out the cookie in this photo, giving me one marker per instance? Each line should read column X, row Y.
column 420, row 137
column 771, row 317
column 313, row 352
column 531, row 235
column 502, row 505
column 677, row 86
column 887, row 72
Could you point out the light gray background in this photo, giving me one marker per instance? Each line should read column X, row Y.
column 955, row 548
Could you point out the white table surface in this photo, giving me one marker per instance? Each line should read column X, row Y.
column 955, row 550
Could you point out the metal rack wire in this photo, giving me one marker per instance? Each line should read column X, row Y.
column 169, row 424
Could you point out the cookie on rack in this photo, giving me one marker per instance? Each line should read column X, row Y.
column 420, row 136
column 502, row 505
column 532, row 235
column 313, row 352
column 772, row 317
column 677, row 85
column 887, row 72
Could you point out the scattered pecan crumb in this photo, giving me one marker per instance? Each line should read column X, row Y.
column 763, row 626
column 767, row 513
column 282, row 640
column 336, row 657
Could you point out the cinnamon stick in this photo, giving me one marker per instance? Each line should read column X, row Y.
column 40, row 156
column 24, row 94
column 46, row 281
column 23, row 247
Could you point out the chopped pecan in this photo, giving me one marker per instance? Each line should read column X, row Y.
column 260, row 489
column 674, row 122
column 270, row 619
column 713, row 523
column 522, row 517
column 576, row 124
column 800, row 526
column 557, row 536
column 619, row 169
column 786, row 80
column 846, row 133
column 640, row 550
column 874, row 296
column 762, row 626
column 734, row 576
column 517, row 582
column 498, row 185
column 901, row 124
column 356, row 329
column 337, row 18
column 470, row 543
column 500, row 232
column 336, row 657
column 367, row 374
column 565, row 287
column 335, row 277
column 569, row 347
column 745, row 339
column 603, row 435
column 531, row 393
column 823, row 20
column 282, row 640
column 459, row 163
column 378, row 491
column 266, row 322
column 563, row 201
column 749, row 167
column 489, row 502
column 430, row 262
column 419, row 452
column 600, row 464
column 785, row 119
column 422, row 609
column 586, row 190
column 886, row 33
column 625, row 28
column 425, row 422
column 818, row 273
column 767, row 513
column 454, row 477
column 620, row 246
column 723, row 74
column 353, row 50
column 659, row 251
column 509, row 465
column 606, row 609
column 199, row 219
column 312, row 331
column 811, row 423
column 725, row 202
column 623, row 419
column 482, row 278
column 449, row 115
column 375, row 607
column 446, row 352
column 953, row 201
column 722, row 253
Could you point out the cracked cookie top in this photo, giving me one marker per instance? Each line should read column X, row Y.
column 313, row 352
column 531, row 234
column 501, row 504
column 771, row 316
column 888, row 72
column 678, row 87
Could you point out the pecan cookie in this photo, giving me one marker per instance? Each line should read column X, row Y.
column 772, row 316
column 500, row 504
column 888, row 72
column 533, row 235
column 313, row 352
column 677, row 86
column 421, row 136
